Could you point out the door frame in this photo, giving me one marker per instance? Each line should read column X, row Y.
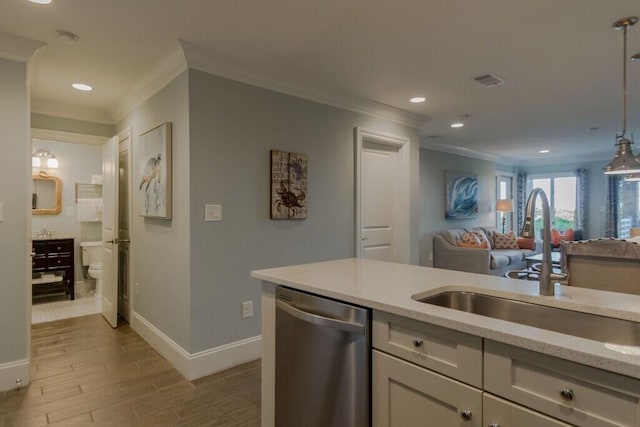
column 123, row 136
column 362, row 135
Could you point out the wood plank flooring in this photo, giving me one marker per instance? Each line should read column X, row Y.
column 83, row 373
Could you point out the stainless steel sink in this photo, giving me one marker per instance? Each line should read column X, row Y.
column 584, row 325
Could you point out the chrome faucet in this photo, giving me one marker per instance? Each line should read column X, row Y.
column 546, row 269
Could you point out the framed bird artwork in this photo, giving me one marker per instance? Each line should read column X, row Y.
column 154, row 166
column 288, row 185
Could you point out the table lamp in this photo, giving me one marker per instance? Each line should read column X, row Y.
column 504, row 206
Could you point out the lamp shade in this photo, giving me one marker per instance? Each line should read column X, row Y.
column 624, row 163
column 504, row 205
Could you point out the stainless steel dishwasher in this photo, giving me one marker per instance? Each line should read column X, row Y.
column 323, row 352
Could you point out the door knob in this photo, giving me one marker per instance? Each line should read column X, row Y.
column 124, row 241
column 113, row 242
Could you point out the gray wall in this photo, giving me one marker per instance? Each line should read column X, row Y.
column 161, row 247
column 15, row 188
column 432, row 167
column 77, row 162
column 194, row 275
column 232, row 128
column 63, row 124
column 596, row 189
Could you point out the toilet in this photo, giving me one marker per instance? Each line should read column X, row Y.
column 92, row 258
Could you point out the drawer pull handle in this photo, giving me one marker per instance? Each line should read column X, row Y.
column 465, row 414
column 566, row 393
column 417, row 342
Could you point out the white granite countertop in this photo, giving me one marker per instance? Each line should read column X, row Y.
column 388, row 287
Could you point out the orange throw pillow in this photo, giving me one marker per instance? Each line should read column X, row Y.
column 555, row 237
column 527, row 243
column 567, row 236
column 483, row 245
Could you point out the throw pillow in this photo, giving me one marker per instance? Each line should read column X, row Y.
column 527, row 243
column 482, row 237
column 555, row 237
column 567, row 236
column 470, row 238
column 462, row 244
column 505, row 241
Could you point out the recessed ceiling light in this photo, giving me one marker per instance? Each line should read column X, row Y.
column 40, row 1
column 82, row 87
column 543, row 151
column 417, row 99
column 457, row 125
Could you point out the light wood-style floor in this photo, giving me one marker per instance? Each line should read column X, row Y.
column 85, row 373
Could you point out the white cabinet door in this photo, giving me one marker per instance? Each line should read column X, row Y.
column 404, row 394
column 501, row 413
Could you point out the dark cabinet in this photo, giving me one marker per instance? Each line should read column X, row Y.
column 52, row 267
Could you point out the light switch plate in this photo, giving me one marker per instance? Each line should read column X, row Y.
column 212, row 213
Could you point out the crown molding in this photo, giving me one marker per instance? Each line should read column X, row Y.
column 202, row 59
column 170, row 66
column 16, row 48
column 574, row 159
column 461, row 151
column 51, row 107
column 60, row 136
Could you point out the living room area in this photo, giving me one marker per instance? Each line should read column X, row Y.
column 585, row 205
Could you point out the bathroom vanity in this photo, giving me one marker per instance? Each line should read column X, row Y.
column 52, row 267
column 441, row 366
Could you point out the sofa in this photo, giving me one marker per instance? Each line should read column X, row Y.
column 448, row 255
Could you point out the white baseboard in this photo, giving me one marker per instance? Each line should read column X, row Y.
column 202, row 363
column 10, row 372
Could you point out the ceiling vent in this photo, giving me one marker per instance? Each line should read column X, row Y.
column 489, row 80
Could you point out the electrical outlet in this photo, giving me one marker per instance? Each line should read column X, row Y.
column 247, row 309
column 137, row 289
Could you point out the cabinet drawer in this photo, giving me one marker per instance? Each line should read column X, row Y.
column 499, row 412
column 578, row 394
column 38, row 263
column 40, row 248
column 449, row 352
column 60, row 261
column 59, row 246
column 404, row 394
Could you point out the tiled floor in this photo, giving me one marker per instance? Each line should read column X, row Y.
column 86, row 373
column 57, row 308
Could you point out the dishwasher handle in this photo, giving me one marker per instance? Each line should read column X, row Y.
column 316, row 319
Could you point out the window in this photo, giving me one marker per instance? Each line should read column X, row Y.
column 561, row 191
column 629, row 211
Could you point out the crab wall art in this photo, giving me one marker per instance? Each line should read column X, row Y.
column 288, row 185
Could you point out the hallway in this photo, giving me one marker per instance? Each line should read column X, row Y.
column 85, row 373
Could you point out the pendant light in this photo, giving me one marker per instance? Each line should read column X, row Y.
column 624, row 162
column 634, row 177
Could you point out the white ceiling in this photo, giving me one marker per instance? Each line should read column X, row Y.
column 561, row 59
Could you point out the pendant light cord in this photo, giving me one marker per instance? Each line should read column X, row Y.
column 624, row 81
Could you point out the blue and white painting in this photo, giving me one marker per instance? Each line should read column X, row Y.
column 461, row 195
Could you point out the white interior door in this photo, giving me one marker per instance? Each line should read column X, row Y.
column 110, row 231
column 382, row 198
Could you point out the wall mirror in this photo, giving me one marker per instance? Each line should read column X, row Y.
column 46, row 195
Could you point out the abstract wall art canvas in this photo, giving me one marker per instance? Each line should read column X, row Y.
column 288, row 185
column 461, row 195
column 154, row 170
